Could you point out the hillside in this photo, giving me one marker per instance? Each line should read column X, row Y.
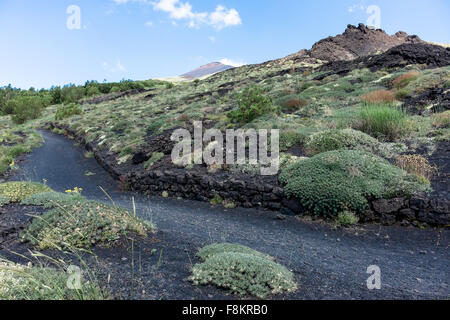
column 339, row 87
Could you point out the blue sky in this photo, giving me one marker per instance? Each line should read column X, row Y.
column 143, row 39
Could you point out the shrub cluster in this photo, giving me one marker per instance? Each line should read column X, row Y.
column 336, row 181
column 84, row 224
column 241, row 270
column 340, row 139
column 66, row 111
column 252, row 104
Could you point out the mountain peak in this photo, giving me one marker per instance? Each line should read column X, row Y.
column 206, row 69
column 358, row 41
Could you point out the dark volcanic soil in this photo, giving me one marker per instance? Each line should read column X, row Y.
column 328, row 263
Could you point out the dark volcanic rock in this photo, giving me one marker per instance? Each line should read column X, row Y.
column 419, row 53
column 438, row 97
column 358, row 42
column 388, row 206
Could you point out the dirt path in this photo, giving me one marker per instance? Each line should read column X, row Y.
column 328, row 263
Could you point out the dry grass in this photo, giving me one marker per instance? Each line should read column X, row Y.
column 403, row 80
column 379, row 96
column 293, row 105
column 416, row 165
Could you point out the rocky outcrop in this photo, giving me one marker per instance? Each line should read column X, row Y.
column 358, row 42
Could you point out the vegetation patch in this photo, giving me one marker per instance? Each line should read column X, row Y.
column 4, row 201
column 18, row 191
column 66, row 111
column 156, row 156
column 242, row 271
column 252, row 104
column 416, row 165
column 50, row 200
column 19, row 282
column 337, row 181
column 340, row 139
column 379, row 96
column 84, row 224
column 216, row 248
column 384, row 122
column 405, row 79
column 347, row 218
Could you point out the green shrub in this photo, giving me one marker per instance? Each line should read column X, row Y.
column 18, row 191
column 19, row 282
column 52, row 199
column 156, row 156
column 4, row 201
column 384, row 122
column 337, row 181
column 115, row 89
column 340, row 139
column 251, row 105
column 84, row 224
column 347, row 218
column 66, row 111
column 25, row 108
column 17, row 150
column 242, row 271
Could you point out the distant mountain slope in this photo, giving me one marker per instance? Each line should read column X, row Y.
column 205, row 70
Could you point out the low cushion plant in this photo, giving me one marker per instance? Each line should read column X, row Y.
column 83, row 224
column 52, row 199
column 340, row 139
column 242, row 270
column 337, row 181
column 18, row 191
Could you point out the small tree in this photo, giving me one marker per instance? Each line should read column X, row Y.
column 252, row 104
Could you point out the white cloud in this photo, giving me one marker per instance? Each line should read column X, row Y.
column 232, row 63
column 180, row 10
column 359, row 6
column 117, row 67
column 212, row 39
column 149, row 23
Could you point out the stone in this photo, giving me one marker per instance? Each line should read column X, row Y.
column 408, row 214
column 419, row 203
column 388, row 219
column 385, row 206
column 433, row 218
column 293, row 205
column 440, row 206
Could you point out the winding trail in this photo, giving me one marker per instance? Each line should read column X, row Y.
column 329, row 263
